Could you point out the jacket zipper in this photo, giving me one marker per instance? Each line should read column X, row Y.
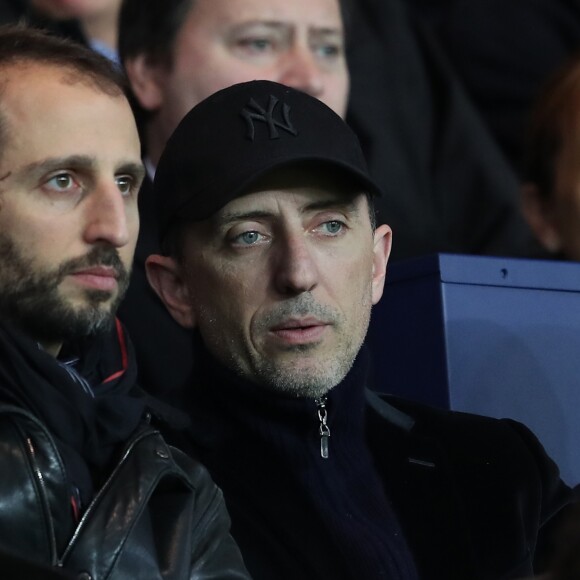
column 323, row 428
column 42, row 485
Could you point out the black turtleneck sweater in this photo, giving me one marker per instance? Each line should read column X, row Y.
column 295, row 514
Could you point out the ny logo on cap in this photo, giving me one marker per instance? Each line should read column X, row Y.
column 253, row 112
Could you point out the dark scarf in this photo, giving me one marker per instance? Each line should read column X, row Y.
column 89, row 431
column 295, row 514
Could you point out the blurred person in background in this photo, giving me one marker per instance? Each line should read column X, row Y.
column 566, row 563
column 97, row 20
column 90, row 22
column 503, row 61
column 551, row 172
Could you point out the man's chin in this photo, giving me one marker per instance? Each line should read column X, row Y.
column 93, row 304
column 64, row 323
column 93, row 319
column 302, row 376
column 81, row 298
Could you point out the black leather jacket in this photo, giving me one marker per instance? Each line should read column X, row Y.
column 158, row 515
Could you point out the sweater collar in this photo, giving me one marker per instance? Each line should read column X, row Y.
column 264, row 450
column 242, row 406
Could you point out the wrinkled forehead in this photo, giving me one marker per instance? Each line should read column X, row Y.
column 44, row 116
column 49, row 87
column 24, row 81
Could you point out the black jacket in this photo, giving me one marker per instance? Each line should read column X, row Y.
column 158, row 515
column 88, row 483
column 470, row 493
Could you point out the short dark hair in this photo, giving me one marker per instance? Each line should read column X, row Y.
column 20, row 44
column 555, row 111
column 150, row 27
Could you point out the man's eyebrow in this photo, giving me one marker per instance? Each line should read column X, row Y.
column 227, row 218
column 348, row 206
column 137, row 170
column 54, row 163
column 327, row 31
column 276, row 24
column 80, row 162
column 284, row 25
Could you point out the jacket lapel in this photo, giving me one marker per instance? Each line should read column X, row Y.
column 420, row 485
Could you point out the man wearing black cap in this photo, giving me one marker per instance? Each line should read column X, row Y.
column 448, row 189
column 265, row 213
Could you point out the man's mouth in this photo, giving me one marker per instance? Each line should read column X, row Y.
column 300, row 331
column 97, row 278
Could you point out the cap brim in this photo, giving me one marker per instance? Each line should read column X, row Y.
column 206, row 206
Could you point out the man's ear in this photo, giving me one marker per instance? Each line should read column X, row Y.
column 146, row 80
column 382, row 248
column 539, row 216
column 166, row 278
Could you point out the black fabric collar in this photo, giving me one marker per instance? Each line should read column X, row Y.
column 258, row 410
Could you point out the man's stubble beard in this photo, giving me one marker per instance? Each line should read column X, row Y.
column 30, row 299
column 327, row 371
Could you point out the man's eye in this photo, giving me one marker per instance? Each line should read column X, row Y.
column 328, row 51
column 255, row 45
column 332, row 227
column 248, row 238
column 125, row 184
column 61, row 182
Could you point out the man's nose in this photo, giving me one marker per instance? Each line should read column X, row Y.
column 106, row 216
column 300, row 70
column 296, row 265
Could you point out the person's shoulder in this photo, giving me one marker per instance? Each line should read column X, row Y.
column 216, row 554
column 170, row 424
column 17, row 423
column 196, row 472
column 422, row 414
column 437, row 416
column 458, row 429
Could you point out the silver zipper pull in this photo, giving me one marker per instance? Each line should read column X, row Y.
column 324, row 430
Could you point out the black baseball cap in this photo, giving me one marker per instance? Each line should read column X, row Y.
column 240, row 134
